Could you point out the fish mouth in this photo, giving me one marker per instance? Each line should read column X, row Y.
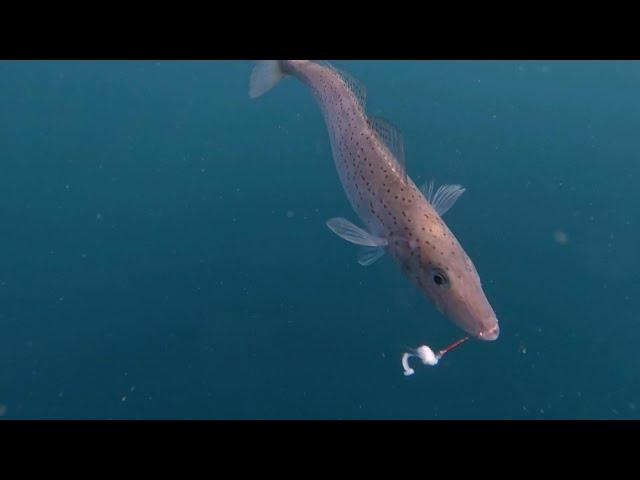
column 490, row 334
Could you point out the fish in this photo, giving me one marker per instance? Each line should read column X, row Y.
column 397, row 217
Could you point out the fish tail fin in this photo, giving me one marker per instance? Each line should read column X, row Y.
column 265, row 75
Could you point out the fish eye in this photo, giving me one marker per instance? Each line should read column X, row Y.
column 439, row 278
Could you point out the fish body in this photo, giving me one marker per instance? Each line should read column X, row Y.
column 399, row 218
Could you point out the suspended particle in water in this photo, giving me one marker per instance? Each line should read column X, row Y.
column 561, row 238
column 3, row 409
column 290, row 214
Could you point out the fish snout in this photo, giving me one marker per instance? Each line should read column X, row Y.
column 490, row 334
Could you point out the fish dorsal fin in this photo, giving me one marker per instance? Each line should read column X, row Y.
column 443, row 198
column 356, row 87
column 388, row 134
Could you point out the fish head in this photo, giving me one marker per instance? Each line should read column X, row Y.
column 446, row 276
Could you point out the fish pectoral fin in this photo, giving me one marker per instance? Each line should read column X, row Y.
column 349, row 232
column 369, row 255
column 443, row 198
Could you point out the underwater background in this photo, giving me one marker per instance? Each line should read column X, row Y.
column 165, row 255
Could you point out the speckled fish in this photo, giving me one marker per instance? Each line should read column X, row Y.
column 398, row 217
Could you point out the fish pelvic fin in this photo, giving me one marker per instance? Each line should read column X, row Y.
column 369, row 255
column 265, row 75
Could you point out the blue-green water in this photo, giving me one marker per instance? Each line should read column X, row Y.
column 164, row 252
